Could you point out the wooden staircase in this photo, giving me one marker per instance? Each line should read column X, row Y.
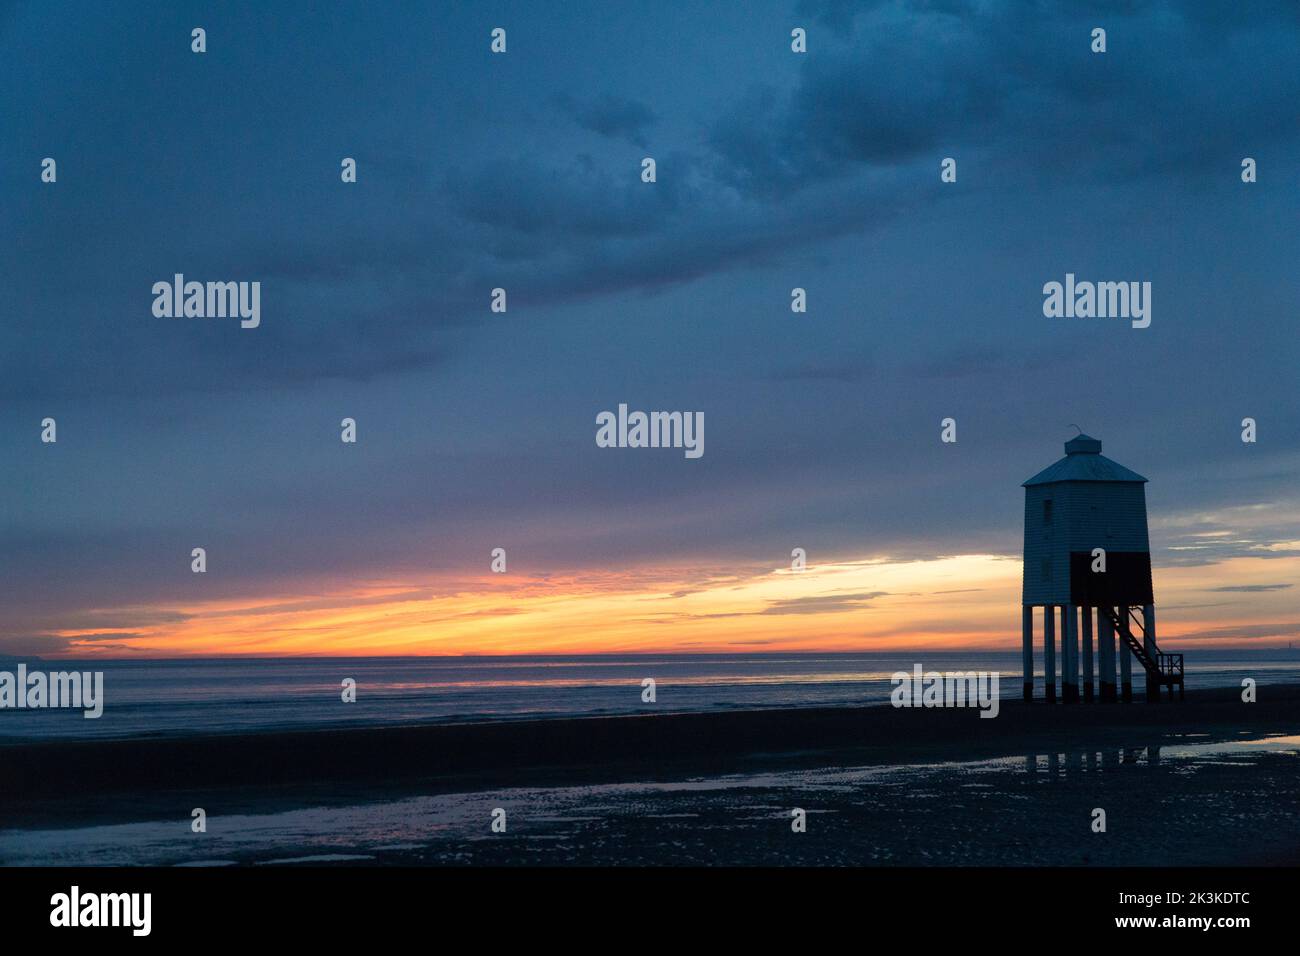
column 1162, row 670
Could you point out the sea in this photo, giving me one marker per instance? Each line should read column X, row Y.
column 180, row 697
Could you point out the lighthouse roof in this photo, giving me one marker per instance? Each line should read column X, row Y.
column 1083, row 461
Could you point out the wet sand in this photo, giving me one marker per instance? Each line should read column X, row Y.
column 880, row 785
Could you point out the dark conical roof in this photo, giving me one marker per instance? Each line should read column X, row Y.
column 1083, row 461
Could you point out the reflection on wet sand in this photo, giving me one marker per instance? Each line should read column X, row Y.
column 1031, row 809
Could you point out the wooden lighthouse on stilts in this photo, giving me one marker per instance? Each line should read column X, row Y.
column 1087, row 558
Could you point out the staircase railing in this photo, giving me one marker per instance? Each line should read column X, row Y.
column 1164, row 668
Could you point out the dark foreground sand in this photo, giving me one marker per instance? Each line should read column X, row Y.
column 881, row 786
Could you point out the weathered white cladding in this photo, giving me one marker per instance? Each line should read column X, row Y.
column 1085, row 515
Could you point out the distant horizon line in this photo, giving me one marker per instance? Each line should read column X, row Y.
column 804, row 652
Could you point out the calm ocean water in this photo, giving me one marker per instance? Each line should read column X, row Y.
column 151, row 698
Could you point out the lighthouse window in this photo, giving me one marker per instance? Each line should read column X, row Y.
column 1047, row 511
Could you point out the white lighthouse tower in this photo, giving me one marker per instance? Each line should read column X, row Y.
column 1087, row 558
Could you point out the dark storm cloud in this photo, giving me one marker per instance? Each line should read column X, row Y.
column 617, row 117
column 571, row 205
column 879, row 106
column 846, row 148
column 915, row 81
column 775, row 170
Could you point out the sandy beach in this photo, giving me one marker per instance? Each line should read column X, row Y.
column 1211, row 781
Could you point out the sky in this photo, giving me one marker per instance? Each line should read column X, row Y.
column 476, row 430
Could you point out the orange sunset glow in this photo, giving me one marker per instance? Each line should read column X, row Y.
column 964, row 601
